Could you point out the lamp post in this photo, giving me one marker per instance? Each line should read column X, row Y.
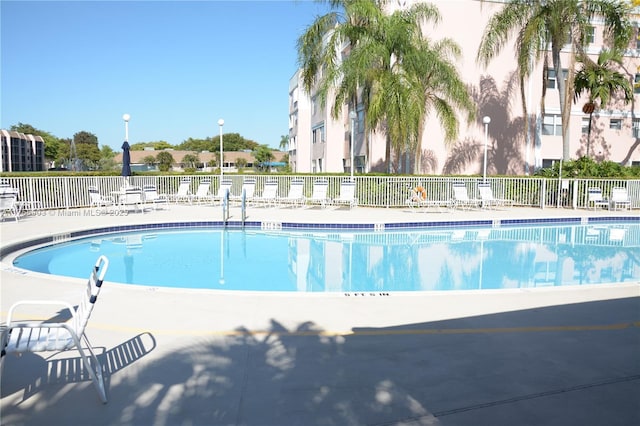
column 221, row 123
column 485, row 120
column 126, row 118
column 352, row 116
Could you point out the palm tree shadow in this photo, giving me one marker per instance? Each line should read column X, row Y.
column 432, row 372
column 506, row 135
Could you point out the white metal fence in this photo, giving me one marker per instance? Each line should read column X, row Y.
column 372, row 191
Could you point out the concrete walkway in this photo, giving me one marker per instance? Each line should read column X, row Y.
column 202, row 357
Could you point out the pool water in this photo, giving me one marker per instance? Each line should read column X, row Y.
column 319, row 261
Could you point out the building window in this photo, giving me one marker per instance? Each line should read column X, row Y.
column 635, row 128
column 551, row 77
column 585, row 125
column 547, row 163
column 615, row 124
column 590, row 36
column 636, row 84
column 552, row 124
column 318, row 134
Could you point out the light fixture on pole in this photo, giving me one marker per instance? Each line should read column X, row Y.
column 221, row 123
column 485, row 120
column 126, row 118
column 352, row 116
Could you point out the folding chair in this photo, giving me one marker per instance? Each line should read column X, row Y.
column 38, row 336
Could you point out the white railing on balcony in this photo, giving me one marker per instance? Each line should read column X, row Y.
column 371, row 191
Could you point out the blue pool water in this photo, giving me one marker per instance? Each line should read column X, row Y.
column 321, row 261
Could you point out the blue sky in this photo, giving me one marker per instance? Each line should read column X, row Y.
column 175, row 66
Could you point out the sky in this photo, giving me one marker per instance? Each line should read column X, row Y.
column 176, row 67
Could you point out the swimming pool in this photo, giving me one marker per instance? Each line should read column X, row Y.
column 438, row 259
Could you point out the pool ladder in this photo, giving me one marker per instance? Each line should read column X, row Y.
column 225, row 207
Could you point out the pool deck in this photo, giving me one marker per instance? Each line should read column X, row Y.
column 549, row 356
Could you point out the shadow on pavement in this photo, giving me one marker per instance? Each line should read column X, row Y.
column 564, row 365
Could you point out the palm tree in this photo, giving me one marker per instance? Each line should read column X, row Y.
column 397, row 73
column 412, row 77
column 600, row 80
column 538, row 24
column 284, row 142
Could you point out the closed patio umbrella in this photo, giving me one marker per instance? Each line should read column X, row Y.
column 126, row 161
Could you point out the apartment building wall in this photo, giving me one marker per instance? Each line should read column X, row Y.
column 511, row 149
column 21, row 152
column 299, row 126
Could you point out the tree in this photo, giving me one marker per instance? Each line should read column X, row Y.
column 191, row 160
column 263, row 156
column 601, row 80
column 158, row 146
column 198, row 145
column 165, row 160
column 386, row 63
column 150, row 160
column 240, row 163
column 538, row 24
column 106, row 161
column 284, row 142
column 87, row 149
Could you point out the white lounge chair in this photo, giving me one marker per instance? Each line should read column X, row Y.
column 319, row 194
column 347, row 194
column 269, row 196
column 595, row 198
column 98, row 200
column 9, row 204
column 131, row 197
column 223, row 189
column 39, row 336
column 295, row 197
column 487, row 199
column 151, row 196
column 248, row 189
column 202, row 194
column 619, row 198
column 184, row 191
column 461, row 197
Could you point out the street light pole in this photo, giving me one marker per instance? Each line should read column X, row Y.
column 126, row 118
column 352, row 116
column 221, row 123
column 485, row 120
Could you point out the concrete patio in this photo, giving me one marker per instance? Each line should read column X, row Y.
column 565, row 356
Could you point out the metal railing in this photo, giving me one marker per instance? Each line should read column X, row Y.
column 371, row 191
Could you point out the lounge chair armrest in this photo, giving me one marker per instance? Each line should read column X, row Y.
column 16, row 305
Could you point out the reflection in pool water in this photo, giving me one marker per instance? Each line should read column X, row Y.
column 319, row 261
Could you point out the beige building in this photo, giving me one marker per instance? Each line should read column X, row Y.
column 206, row 159
column 320, row 144
column 20, row 152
